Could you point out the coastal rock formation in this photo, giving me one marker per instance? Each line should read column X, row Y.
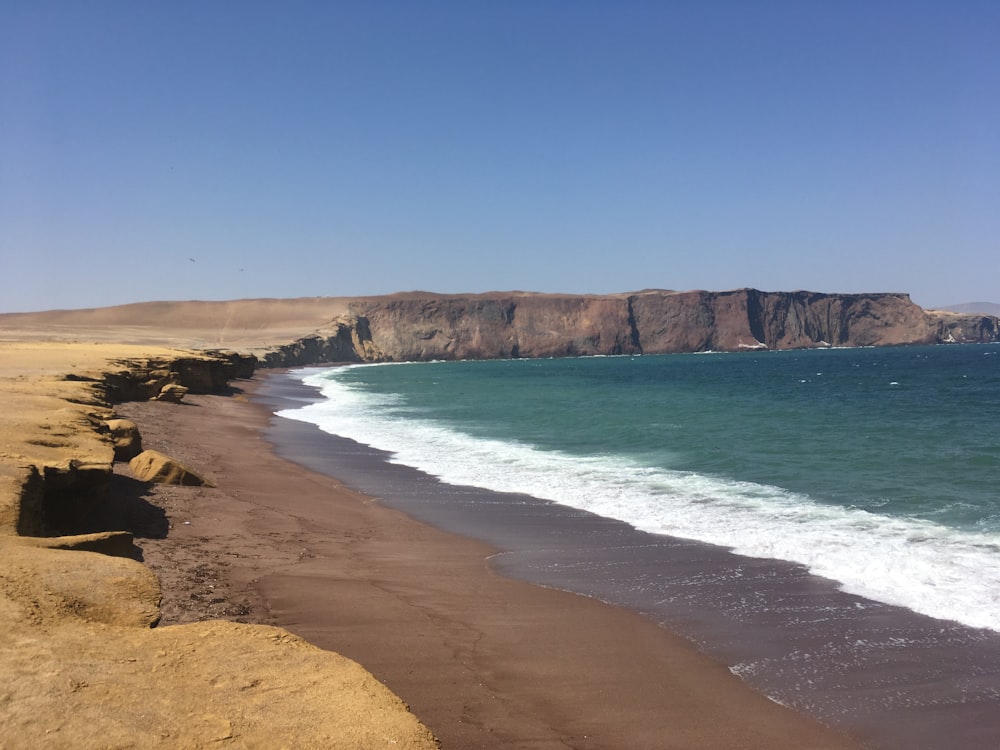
column 201, row 685
column 113, row 543
column 82, row 665
column 345, row 339
column 750, row 319
column 423, row 326
column 125, row 437
column 57, row 470
column 954, row 327
column 153, row 466
column 148, row 378
column 171, row 393
column 46, row 584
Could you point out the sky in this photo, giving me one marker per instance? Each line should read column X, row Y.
column 226, row 150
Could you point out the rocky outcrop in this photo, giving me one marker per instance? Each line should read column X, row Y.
column 171, row 393
column 82, row 665
column 961, row 328
column 751, row 319
column 60, row 470
column 88, row 685
column 125, row 438
column 76, row 585
column 153, row 466
column 112, row 543
column 345, row 339
column 141, row 379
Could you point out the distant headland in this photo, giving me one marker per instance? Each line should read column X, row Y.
column 425, row 326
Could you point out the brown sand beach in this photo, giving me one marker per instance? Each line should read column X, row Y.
column 272, row 553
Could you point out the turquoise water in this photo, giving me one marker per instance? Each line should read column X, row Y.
column 874, row 467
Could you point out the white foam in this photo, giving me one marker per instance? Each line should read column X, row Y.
column 927, row 567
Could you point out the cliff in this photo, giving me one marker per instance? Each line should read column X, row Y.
column 57, row 444
column 423, row 325
column 485, row 326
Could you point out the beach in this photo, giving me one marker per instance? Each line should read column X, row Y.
column 451, row 604
column 483, row 660
column 543, row 459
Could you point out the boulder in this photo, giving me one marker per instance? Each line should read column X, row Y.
column 172, row 393
column 153, row 466
column 126, row 438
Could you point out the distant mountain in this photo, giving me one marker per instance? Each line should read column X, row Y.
column 975, row 308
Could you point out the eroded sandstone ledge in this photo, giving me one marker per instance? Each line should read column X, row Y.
column 82, row 665
column 58, row 451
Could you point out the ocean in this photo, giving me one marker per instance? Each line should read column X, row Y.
column 868, row 475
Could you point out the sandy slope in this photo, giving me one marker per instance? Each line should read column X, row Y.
column 245, row 325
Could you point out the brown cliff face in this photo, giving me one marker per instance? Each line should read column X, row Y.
column 417, row 327
column 346, row 339
column 973, row 328
column 805, row 319
column 425, row 326
column 695, row 321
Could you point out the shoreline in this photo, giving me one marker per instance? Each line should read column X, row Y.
column 789, row 634
column 483, row 660
column 276, row 543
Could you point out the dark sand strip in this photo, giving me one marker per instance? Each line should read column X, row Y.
column 483, row 660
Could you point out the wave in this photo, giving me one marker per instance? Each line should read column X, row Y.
column 929, row 568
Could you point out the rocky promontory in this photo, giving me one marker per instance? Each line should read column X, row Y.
column 417, row 326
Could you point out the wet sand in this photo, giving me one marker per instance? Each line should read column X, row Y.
column 484, row 660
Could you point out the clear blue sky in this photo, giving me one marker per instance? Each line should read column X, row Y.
column 346, row 148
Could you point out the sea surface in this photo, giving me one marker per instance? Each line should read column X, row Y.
column 863, row 482
column 877, row 468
